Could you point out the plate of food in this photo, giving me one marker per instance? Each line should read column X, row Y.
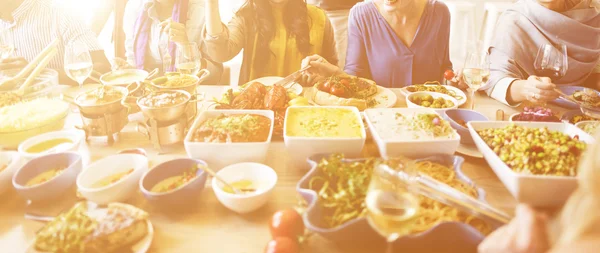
column 590, row 127
column 115, row 228
column 568, row 90
column 269, row 81
column 576, row 116
column 335, row 190
column 589, row 101
column 537, row 114
column 436, row 87
column 348, row 90
column 532, row 169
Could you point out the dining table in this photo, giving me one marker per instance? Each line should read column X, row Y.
column 211, row 227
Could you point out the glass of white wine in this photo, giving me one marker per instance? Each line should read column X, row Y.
column 476, row 72
column 7, row 44
column 392, row 207
column 188, row 59
column 78, row 62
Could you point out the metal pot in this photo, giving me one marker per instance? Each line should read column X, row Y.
column 156, row 84
column 165, row 114
column 112, row 79
column 105, row 107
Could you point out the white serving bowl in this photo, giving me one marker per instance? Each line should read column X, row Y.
column 75, row 136
column 260, row 174
column 435, row 95
column 111, row 165
column 219, row 155
column 535, row 190
column 13, row 162
column 301, row 148
column 413, row 148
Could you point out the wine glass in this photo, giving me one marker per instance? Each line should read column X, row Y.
column 7, row 43
column 188, row 59
column 551, row 61
column 476, row 72
column 78, row 62
column 392, row 208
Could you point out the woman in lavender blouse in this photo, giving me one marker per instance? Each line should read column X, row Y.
column 395, row 43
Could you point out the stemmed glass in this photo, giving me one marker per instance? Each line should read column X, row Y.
column 7, row 43
column 78, row 62
column 476, row 71
column 188, row 58
column 551, row 61
column 392, row 207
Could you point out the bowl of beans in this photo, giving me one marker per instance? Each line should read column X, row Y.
column 433, row 100
column 534, row 160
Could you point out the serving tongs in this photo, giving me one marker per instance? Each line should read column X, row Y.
column 436, row 190
column 32, row 70
column 288, row 81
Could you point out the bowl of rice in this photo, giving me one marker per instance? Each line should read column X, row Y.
column 26, row 119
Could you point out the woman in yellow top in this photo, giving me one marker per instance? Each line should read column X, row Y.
column 275, row 35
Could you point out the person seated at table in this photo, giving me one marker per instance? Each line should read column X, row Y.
column 275, row 35
column 395, row 43
column 32, row 25
column 146, row 22
column 524, row 28
column 575, row 229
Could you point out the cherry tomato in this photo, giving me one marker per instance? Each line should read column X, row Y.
column 327, row 86
column 345, row 82
column 286, row 223
column 339, row 91
column 449, row 74
column 321, row 87
column 282, row 245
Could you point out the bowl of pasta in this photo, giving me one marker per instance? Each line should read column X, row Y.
column 342, row 217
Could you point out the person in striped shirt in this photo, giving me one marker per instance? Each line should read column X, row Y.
column 34, row 24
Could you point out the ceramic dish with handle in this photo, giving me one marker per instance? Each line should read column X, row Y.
column 219, row 155
column 442, row 237
column 458, row 119
column 304, row 144
column 262, row 177
column 411, row 100
column 53, row 187
column 535, row 190
column 9, row 164
column 112, row 179
column 393, row 139
column 184, row 196
column 51, row 143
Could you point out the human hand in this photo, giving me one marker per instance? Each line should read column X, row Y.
column 318, row 69
column 119, row 63
column 538, row 89
column 176, row 31
column 13, row 63
column 456, row 80
column 526, row 233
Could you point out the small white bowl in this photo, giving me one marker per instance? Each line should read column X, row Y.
column 262, row 175
column 111, row 165
column 75, row 136
column 219, row 155
column 13, row 162
column 435, row 95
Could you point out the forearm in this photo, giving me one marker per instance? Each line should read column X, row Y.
column 515, row 94
column 213, row 18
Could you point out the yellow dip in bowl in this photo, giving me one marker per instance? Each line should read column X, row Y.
column 323, row 122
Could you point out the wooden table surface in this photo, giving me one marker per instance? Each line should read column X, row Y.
column 213, row 228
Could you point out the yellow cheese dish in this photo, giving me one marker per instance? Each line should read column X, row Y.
column 323, row 122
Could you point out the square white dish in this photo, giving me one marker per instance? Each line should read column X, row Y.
column 412, row 148
column 301, row 148
column 535, row 190
column 219, row 155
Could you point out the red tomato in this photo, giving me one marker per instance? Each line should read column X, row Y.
column 282, row 245
column 321, row 87
column 345, row 82
column 339, row 91
column 327, row 86
column 286, row 223
column 449, row 74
